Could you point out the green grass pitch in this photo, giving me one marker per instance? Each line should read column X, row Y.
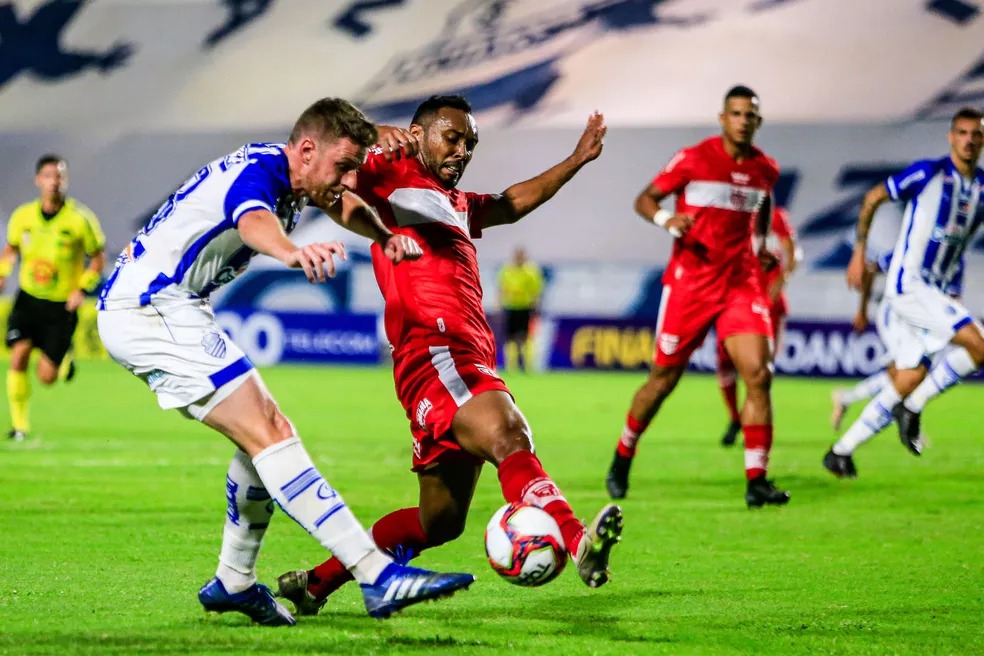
column 112, row 515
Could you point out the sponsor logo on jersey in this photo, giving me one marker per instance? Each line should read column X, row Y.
column 485, row 370
column 740, row 178
column 154, row 377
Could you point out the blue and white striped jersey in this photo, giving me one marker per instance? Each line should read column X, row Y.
column 955, row 286
column 943, row 212
column 191, row 245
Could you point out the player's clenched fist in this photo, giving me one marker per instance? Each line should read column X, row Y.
column 401, row 247
column 316, row 259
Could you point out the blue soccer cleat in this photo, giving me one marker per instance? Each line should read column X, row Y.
column 400, row 586
column 256, row 602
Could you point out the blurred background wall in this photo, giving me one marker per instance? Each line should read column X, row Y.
column 137, row 94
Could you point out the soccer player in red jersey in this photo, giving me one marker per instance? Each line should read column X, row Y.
column 461, row 413
column 784, row 255
column 713, row 279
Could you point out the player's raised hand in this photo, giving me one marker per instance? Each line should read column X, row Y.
column 396, row 143
column 316, row 259
column 592, row 139
column 401, row 247
column 855, row 270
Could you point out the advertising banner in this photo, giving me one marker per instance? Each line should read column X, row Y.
column 269, row 337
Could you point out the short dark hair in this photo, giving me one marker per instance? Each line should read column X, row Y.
column 47, row 158
column 435, row 103
column 966, row 112
column 334, row 118
column 740, row 91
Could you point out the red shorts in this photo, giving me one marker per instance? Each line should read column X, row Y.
column 777, row 314
column 432, row 382
column 685, row 318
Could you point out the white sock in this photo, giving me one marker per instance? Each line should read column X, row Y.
column 874, row 418
column 945, row 374
column 301, row 492
column 865, row 389
column 247, row 517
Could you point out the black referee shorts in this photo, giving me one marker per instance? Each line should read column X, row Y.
column 46, row 323
column 518, row 325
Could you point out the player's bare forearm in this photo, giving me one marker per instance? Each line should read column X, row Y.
column 867, row 280
column 261, row 231
column 872, row 200
column 97, row 262
column 523, row 197
column 790, row 255
column 648, row 203
column 8, row 258
column 355, row 215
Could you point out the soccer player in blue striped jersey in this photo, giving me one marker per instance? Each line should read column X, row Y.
column 944, row 208
column 155, row 320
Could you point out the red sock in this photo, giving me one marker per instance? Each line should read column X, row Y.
column 758, row 444
column 729, row 390
column 398, row 531
column 631, row 433
column 523, row 480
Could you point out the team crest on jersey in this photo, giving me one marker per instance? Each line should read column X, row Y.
column 214, row 345
column 423, row 409
column 668, row 343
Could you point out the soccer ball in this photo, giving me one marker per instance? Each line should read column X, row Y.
column 524, row 545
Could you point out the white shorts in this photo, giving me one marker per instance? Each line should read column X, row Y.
column 918, row 324
column 179, row 351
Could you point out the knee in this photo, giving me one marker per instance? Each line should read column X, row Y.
column 47, row 377
column 759, row 378
column 509, row 433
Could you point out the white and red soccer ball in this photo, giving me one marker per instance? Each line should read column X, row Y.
column 524, row 545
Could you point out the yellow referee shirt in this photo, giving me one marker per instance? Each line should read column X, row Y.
column 520, row 286
column 53, row 251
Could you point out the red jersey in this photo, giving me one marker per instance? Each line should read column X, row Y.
column 438, row 298
column 722, row 195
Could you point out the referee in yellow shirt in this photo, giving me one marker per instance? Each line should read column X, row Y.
column 520, row 286
column 52, row 236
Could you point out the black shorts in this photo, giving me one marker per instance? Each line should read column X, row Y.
column 518, row 324
column 46, row 323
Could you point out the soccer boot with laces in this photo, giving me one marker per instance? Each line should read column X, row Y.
column 256, row 602
column 595, row 548
column 400, row 586
column 840, row 466
column 761, row 491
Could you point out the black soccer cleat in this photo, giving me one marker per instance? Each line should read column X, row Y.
column 840, row 466
column 71, row 371
column 617, row 481
column 761, row 491
column 908, row 422
column 731, row 434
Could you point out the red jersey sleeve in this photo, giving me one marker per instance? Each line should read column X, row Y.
column 477, row 205
column 676, row 174
column 781, row 227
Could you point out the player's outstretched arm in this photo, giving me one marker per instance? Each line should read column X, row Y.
column 261, row 231
column 7, row 261
column 872, row 201
column 355, row 215
column 523, row 197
